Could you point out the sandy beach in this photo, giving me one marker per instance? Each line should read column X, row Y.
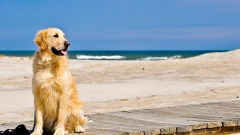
column 108, row 86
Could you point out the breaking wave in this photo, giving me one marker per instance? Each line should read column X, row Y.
column 90, row 57
column 161, row 58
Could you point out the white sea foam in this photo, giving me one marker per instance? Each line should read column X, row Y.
column 90, row 57
column 161, row 58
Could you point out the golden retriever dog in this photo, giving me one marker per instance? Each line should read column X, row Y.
column 58, row 108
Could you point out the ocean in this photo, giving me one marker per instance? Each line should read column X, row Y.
column 120, row 55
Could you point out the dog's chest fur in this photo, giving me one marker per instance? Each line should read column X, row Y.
column 51, row 85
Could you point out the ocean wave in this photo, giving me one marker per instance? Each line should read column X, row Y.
column 161, row 58
column 90, row 57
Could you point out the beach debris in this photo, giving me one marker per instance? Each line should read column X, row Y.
column 8, row 132
column 124, row 99
column 19, row 130
column 90, row 121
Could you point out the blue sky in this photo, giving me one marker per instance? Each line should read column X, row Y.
column 124, row 24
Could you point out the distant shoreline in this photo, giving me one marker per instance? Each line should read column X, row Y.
column 121, row 54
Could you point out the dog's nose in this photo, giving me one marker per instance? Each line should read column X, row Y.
column 66, row 43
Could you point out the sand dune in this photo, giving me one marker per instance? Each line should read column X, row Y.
column 124, row 85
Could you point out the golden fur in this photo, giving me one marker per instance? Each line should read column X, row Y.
column 57, row 105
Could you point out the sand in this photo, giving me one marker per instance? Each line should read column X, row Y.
column 108, row 86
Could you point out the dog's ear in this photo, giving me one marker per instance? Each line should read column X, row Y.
column 40, row 39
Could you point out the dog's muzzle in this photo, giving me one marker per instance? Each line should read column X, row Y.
column 61, row 52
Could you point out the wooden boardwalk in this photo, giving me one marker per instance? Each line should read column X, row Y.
column 211, row 118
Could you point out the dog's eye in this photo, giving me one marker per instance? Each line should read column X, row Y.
column 56, row 35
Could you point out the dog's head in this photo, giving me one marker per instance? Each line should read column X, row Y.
column 52, row 40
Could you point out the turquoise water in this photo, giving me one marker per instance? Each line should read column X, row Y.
column 119, row 55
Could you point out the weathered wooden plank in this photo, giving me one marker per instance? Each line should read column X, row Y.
column 229, row 123
column 179, row 112
column 127, row 121
column 203, row 115
column 168, row 130
column 133, row 133
column 203, row 110
column 121, row 128
column 184, row 129
column 199, row 126
column 97, row 132
column 104, row 125
column 153, row 132
column 103, row 131
column 214, row 124
column 152, row 118
column 191, row 116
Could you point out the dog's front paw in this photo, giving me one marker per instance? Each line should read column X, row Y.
column 36, row 132
column 79, row 129
column 59, row 131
